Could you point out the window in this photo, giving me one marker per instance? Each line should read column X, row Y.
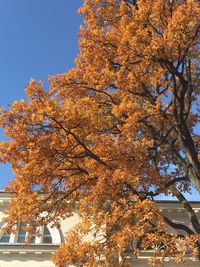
column 46, row 236
column 21, row 233
column 42, row 236
column 5, row 238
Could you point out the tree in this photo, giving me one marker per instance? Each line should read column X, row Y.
column 113, row 133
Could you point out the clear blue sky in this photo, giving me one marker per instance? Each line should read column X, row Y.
column 38, row 38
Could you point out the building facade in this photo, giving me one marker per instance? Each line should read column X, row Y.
column 13, row 252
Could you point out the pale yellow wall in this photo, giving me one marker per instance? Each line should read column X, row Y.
column 35, row 256
column 17, row 260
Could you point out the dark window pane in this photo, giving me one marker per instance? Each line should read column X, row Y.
column 46, row 231
column 47, row 239
column 21, row 233
column 5, row 238
column 47, row 236
column 21, row 239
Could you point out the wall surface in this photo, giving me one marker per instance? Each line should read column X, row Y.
column 17, row 260
column 13, row 254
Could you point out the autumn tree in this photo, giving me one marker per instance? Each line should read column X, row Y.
column 113, row 133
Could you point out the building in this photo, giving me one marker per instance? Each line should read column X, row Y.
column 13, row 253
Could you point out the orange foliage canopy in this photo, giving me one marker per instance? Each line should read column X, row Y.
column 113, row 133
